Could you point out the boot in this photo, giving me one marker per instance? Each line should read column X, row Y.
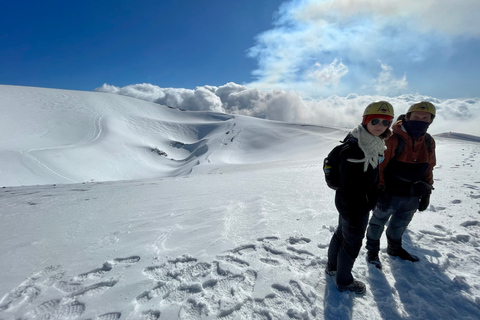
column 330, row 271
column 356, row 286
column 372, row 258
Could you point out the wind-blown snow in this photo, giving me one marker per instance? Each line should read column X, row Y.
column 116, row 208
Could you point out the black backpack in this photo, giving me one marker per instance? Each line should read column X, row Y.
column 331, row 164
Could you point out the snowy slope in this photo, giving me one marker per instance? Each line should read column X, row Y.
column 232, row 223
column 60, row 136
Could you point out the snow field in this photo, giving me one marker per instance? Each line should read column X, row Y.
column 234, row 223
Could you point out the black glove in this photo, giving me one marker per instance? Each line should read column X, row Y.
column 383, row 200
column 424, row 202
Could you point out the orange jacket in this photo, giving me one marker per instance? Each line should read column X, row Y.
column 414, row 164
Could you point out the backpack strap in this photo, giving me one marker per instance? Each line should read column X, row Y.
column 428, row 142
column 400, row 146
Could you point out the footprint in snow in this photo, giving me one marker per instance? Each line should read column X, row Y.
column 95, row 273
column 29, row 290
column 462, row 238
column 234, row 260
column 110, row 316
column 245, row 249
column 132, row 259
column 433, row 233
column 435, row 209
column 94, row 289
column 106, row 267
column 270, row 261
column 221, row 288
column 471, row 223
column 300, row 252
column 27, row 296
column 298, row 240
column 56, row 309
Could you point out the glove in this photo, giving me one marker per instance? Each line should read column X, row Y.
column 382, row 202
column 424, row 202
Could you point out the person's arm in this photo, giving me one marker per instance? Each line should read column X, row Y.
column 432, row 162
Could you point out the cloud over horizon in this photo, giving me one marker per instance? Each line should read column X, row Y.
column 320, row 48
column 456, row 115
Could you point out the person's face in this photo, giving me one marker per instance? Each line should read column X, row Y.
column 420, row 116
column 377, row 126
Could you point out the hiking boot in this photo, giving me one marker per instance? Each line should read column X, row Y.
column 402, row 254
column 373, row 258
column 356, row 286
column 329, row 271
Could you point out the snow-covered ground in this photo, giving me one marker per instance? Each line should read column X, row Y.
column 116, row 208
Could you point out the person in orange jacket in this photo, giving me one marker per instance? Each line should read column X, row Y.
column 406, row 181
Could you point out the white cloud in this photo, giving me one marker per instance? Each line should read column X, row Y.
column 223, row 92
column 200, row 99
column 357, row 33
column 457, row 115
column 328, row 75
column 387, row 84
column 451, row 17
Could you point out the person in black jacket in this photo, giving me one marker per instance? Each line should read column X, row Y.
column 357, row 194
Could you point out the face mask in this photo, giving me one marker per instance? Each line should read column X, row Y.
column 416, row 129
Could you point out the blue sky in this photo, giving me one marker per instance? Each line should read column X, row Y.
column 173, row 43
column 317, row 48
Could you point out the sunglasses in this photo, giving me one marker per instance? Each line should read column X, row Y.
column 384, row 123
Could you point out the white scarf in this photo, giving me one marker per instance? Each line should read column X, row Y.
column 373, row 147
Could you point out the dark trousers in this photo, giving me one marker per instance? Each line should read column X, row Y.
column 345, row 246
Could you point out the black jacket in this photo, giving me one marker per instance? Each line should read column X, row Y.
column 357, row 194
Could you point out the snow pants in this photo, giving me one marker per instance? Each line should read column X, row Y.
column 399, row 211
column 344, row 247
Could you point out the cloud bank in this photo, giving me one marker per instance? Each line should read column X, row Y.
column 320, row 48
column 320, row 51
column 457, row 115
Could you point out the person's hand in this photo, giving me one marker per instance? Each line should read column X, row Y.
column 424, row 202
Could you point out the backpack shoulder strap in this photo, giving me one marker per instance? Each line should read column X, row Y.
column 428, row 142
column 400, row 146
